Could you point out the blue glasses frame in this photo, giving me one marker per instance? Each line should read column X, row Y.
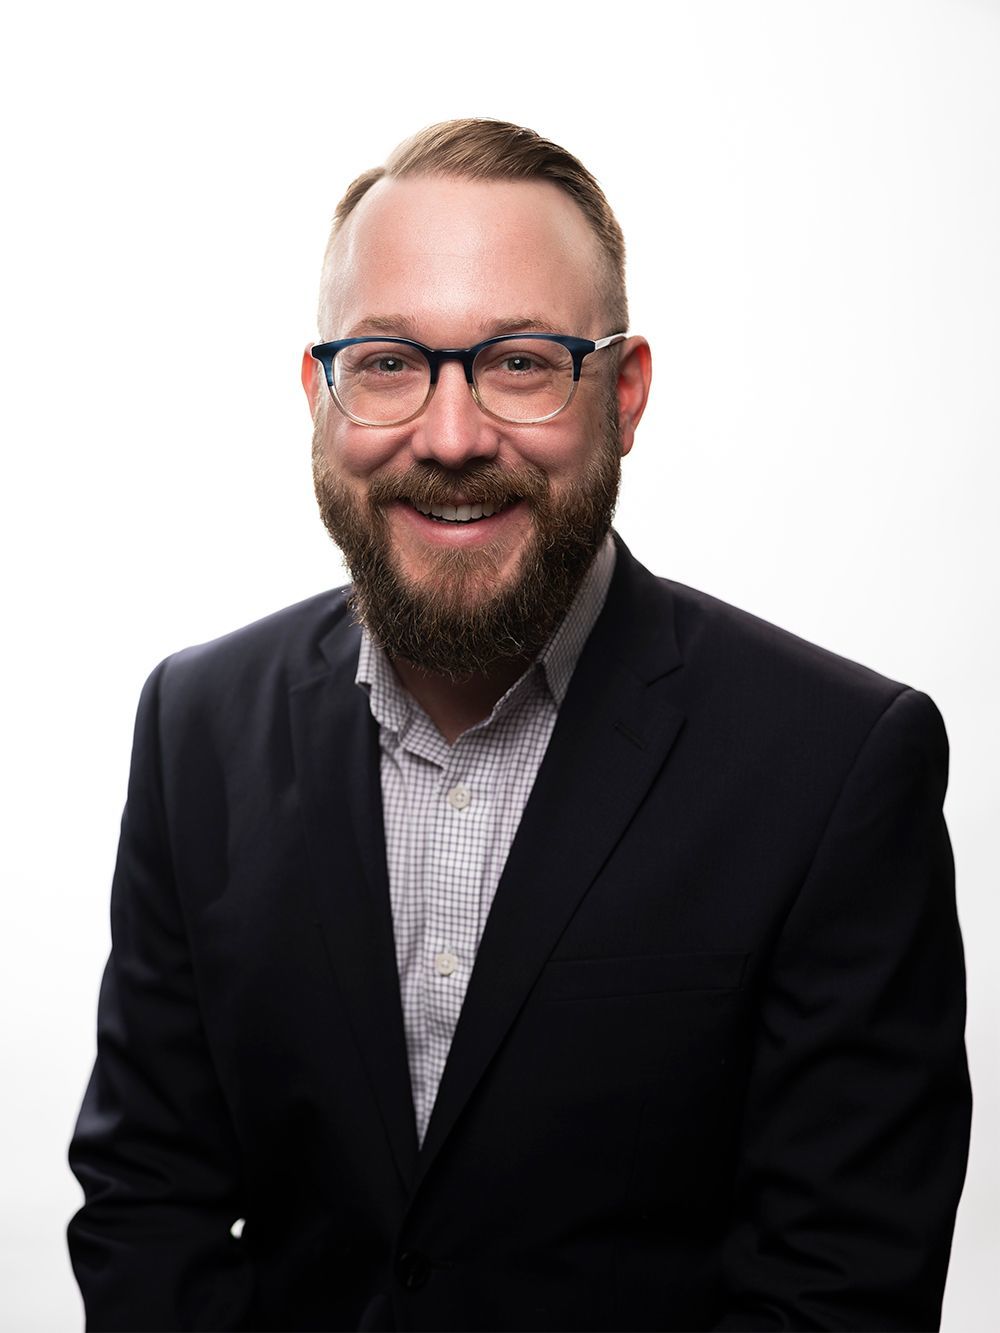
column 578, row 348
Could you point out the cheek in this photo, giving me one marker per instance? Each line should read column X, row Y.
column 355, row 451
column 563, row 451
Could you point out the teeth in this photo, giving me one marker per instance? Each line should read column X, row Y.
column 456, row 513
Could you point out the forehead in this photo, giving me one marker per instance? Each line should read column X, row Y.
column 457, row 257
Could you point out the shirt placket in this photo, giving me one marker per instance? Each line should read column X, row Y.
column 452, row 888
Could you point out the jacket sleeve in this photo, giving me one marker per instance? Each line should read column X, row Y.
column 857, row 1119
column 154, row 1147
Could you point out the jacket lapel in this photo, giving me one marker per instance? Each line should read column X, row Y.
column 335, row 741
column 613, row 734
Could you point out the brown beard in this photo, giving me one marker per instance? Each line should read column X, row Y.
column 462, row 619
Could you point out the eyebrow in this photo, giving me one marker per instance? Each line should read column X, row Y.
column 402, row 326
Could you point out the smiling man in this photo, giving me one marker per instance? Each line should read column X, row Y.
column 515, row 940
column 470, row 491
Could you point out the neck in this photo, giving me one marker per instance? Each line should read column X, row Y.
column 455, row 706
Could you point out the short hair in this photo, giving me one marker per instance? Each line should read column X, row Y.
column 480, row 149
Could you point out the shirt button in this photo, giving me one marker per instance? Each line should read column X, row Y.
column 459, row 797
column 445, row 963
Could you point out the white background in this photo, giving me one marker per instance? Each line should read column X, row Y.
column 811, row 195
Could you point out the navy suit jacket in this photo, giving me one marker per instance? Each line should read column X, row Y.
column 709, row 1072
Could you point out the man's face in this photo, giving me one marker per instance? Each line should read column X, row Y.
column 450, row 262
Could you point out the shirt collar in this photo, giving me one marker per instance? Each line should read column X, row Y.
column 559, row 657
column 391, row 705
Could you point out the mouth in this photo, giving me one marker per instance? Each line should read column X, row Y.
column 464, row 513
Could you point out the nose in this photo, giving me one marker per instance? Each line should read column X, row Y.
column 452, row 430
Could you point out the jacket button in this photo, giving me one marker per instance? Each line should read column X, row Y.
column 413, row 1269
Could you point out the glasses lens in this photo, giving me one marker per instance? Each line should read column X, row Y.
column 381, row 382
column 523, row 379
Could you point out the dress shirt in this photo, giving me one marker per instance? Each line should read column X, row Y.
column 450, row 815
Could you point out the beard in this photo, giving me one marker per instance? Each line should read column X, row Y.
column 463, row 618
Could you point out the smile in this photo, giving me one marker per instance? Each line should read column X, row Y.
column 459, row 513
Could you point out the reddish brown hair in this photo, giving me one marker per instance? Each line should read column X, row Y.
column 497, row 150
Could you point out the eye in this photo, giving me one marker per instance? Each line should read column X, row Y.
column 520, row 363
column 379, row 362
column 385, row 365
column 517, row 362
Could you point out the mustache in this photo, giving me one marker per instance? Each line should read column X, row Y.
column 487, row 483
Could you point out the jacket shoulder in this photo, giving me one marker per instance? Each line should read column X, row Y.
column 770, row 691
column 275, row 652
column 725, row 641
column 794, row 712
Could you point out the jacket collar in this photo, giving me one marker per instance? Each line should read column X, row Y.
column 612, row 737
column 614, row 731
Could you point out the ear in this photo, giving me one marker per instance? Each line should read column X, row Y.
column 635, row 371
column 313, row 378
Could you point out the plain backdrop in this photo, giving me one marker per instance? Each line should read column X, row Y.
column 811, row 197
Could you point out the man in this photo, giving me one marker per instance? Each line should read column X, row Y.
column 517, row 940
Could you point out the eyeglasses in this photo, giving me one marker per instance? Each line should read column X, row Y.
column 524, row 378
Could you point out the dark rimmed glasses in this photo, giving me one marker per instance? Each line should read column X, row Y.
column 523, row 378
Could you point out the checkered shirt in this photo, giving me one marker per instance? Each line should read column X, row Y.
column 451, row 813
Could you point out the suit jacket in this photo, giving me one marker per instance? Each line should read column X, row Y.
column 709, row 1072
